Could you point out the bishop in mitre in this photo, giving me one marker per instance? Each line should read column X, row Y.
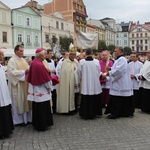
column 68, row 88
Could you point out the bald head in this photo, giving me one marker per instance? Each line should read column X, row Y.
column 1, row 55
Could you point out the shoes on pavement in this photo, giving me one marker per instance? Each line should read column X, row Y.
column 111, row 117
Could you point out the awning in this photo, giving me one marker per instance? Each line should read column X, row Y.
column 10, row 52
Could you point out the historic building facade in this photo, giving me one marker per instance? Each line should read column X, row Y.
column 99, row 28
column 110, row 27
column 122, row 34
column 26, row 27
column 72, row 10
column 55, row 26
column 139, row 36
column 5, row 27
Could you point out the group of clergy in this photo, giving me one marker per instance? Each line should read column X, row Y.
column 117, row 84
column 33, row 92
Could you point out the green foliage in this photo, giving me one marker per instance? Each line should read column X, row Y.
column 65, row 42
column 101, row 45
column 111, row 48
column 127, row 50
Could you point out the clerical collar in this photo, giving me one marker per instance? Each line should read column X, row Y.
column 48, row 60
column 71, row 59
column 119, row 56
column 89, row 58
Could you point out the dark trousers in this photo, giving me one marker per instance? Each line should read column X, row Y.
column 54, row 97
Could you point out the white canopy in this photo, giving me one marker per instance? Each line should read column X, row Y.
column 27, row 52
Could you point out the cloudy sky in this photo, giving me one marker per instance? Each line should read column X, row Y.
column 120, row 10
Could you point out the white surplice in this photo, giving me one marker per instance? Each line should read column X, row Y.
column 52, row 67
column 120, row 84
column 40, row 93
column 58, row 67
column 16, row 83
column 89, row 74
column 134, row 68
column 145, row 72
column 5, row 99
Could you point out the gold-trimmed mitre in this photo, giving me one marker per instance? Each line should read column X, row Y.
column 72, row 49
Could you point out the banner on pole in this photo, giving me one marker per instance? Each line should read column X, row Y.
column 87, row 40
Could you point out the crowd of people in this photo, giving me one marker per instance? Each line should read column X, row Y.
column 78, row 82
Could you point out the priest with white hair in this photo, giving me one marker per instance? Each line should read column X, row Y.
column 39, row 92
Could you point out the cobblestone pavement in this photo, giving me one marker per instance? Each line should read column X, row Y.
column 73, row 133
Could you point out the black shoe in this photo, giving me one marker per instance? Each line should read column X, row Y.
column 98, row 116
column 72, row 112
column 111, row 117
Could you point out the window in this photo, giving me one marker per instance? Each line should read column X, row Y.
column 62, row 26
column 57, row 25
column 78, row 28
column 80, row 8
column 36, row 40
column 125, row 42
column 132, row 41
column 47, row 38
column 145, row 41
column 132, row 48
column 117, row 42
column 125, row 34
column 28, row 39
column 145, row 34
column 19, row 37
column 117, row 35
column 4, row 36
column 141, row 41
column 137, row 35
column 28, row 21
column 77, row 17
column 132, row 35
column 141, row 48
column 141, row 35
column 145, row 48
column 137, row 42
column 139, row 29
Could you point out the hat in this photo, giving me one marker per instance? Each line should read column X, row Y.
column 39, row 50
column 77, row 54
column 55, row 80
column 72, row 49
